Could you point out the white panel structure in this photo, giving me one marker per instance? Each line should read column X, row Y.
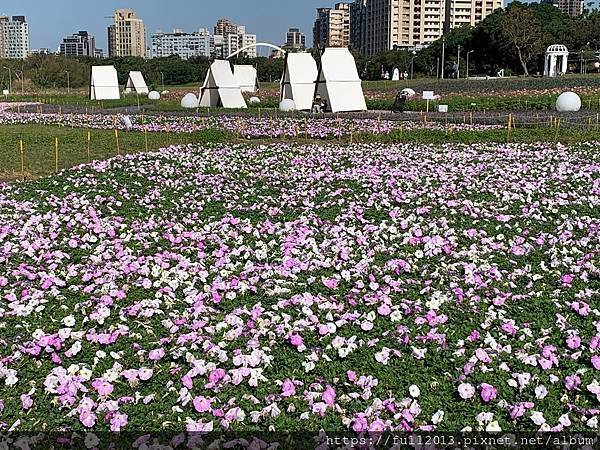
column 104, row 83
column 338, row 81
column 396, row 75
column 220, row 87
column 298, row 81
column 246, row 77
column 136, row 84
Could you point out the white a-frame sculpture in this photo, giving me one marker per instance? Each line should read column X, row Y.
column 136, row 83
column 298, row 80
column 246, row 77
column 104, row 83
column 338, row 81
column 220, row 88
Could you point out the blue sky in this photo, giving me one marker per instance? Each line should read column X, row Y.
column 50, row 20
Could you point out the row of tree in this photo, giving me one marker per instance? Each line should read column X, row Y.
column 513, row 39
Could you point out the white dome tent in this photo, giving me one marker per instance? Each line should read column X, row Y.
column 555, row 60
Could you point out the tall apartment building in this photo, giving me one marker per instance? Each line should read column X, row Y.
column 570, row 7
column 295, row 39
column 391, row 24
column 127, row 35
column 185, row 45
column 358, row 11
column 332, row 26
column 14, row 37
column 79, row 44
column 229, row 38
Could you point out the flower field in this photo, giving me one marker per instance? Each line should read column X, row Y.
column 247, row 127
column 288, row 287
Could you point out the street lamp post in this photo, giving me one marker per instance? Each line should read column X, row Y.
column 458, row 64
column 9, row 79
column 468, row 53
column 412, row 64
column 162, row 77
column 443, row 57
column 68, row 82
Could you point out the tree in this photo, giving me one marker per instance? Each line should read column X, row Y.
column 522, row 33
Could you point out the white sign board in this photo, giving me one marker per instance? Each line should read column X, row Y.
column 428, row 95
column 5, row 92
column 443, row 108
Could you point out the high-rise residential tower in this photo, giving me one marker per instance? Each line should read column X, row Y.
column 127, row 35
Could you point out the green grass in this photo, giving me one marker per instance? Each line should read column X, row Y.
column 39, row 143
column 39, row 146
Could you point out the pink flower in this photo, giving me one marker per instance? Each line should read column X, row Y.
column 102, row 386
column 596, row 362
column 118, row 421
column 202, row 404
column 330, row 283
column 488, row 392
column 296, row 340
column 567, row 279
column 482, row 356
column 360, row 424
column 384, row 310
column 26, row 401
column 156, row 355
column 187, row 381
column 87, row 418
column 572, row 381
column 351, row 375
column 329, row 396
column 216, row 376
column 288, row 388
column 466, row 391
column 573, row 342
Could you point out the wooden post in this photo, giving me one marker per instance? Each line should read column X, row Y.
column 117, row 141
column 22, row 158
column 306, row 128
column 89, row 138
column 146, row 138
column 508, row 129
column 56, row 155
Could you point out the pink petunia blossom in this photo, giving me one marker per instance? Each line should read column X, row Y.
column 488, row 392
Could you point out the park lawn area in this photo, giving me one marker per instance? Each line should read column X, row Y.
column 39, row 143
column 39, row 146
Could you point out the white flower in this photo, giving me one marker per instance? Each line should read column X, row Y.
column 437, row 417
column 69, row 321
column 414, row 391
column 493, row 426
column 541, row 392
column 537, row 417
column 564, row 420
column 593, row 422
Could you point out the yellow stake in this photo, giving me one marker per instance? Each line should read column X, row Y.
column 56, row 155
column 117, row 141
column 89, row 138
column 22, row 159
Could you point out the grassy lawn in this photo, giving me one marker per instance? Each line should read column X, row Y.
column 39, row 143
column 39, row 146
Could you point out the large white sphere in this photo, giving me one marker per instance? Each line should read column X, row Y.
column 189, row 101
column 287, row 105
column 409, row 92
column 153, row 95
column 254, row 100
column 568, row 101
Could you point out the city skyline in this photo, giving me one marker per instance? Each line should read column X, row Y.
column 271, row 25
